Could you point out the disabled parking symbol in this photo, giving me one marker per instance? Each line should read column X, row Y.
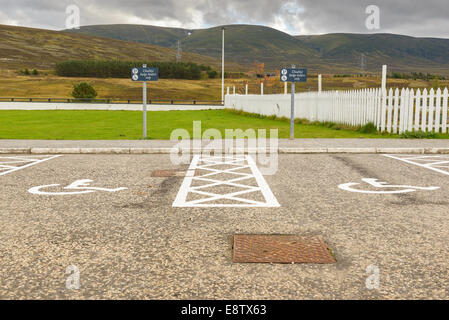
column 382, row 185
column 82, row 187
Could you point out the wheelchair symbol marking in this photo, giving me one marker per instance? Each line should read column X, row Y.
column 82, row 185
column 375, row 183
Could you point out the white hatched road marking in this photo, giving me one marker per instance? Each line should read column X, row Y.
column 237, row 162
column 438, row 163
column 15, row 163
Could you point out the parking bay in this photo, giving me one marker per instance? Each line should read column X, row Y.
column 133, row 243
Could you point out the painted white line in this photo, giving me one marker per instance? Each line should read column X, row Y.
column 233, row 164
column 32, row 161
column 429, row 165
column 266, row 191
column 184, row 190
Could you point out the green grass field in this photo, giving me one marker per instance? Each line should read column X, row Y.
column 127, row 125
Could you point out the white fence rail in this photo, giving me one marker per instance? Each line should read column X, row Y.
column 396, row 111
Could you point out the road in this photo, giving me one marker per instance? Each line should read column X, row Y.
column 133, row 244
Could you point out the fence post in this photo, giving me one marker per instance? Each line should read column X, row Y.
column 384, row 78
column 410, row 111
column 445, row 106
column 233, row 90
column 246, row 89
column 383, row 98
column 319, row 83
column 390, row 110
column 424, row 111
column 417, row 109
column 405, row 101
column 285, row 88
column 396, row 111
column 438, row 112
column 227, row 91
column 261, row 88
column 431, row 110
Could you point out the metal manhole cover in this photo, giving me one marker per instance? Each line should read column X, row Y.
column 168, row 173
column 280, row 249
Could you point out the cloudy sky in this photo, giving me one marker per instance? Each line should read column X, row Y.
column 410, row 17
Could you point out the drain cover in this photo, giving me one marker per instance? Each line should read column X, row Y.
column 280, row 249
column 168, row 173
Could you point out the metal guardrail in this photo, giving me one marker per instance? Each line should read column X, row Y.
column 114, row 101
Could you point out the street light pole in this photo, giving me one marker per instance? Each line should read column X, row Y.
column 222, row 65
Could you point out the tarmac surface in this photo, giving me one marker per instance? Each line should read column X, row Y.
column 133, row 244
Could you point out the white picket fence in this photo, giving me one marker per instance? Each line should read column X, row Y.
column 395, row 111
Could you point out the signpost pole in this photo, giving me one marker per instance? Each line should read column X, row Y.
column 292, row 114
column 292, row 111
column 144, row 107
column 144, row 74
column 292, row 75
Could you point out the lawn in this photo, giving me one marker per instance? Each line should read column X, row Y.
column 127, row 125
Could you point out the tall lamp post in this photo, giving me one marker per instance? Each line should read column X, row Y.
column 222, row 65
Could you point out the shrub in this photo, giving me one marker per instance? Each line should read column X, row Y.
column 84, row 90
column 35, row 72
column 212, row 74
column 368, row 128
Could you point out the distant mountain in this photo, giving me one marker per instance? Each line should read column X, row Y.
column 400, row 52
column 244, row 43
column 340, row 53
column 158, row 36
column 36, row 48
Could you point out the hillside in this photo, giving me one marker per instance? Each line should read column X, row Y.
column 402, row 53
column 159, row 36
column 36, row 48
column 244, row 43
column 325, row 53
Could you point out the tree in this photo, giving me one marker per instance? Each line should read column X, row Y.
column 436, row 82
column 83, row 90
column 212, row 74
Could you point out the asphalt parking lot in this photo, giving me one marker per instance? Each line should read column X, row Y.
column 134, row 244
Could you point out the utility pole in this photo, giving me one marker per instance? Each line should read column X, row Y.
column 179, row 53
column 222, row 64
column 363, row 64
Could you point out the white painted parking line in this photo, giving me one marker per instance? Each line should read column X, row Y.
column 15, row 163
column 248, row 183
column 438, row 163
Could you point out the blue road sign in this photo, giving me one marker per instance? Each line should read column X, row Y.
column 293, row 75
column 144, row 74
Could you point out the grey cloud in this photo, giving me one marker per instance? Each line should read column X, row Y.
column 413, row 17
